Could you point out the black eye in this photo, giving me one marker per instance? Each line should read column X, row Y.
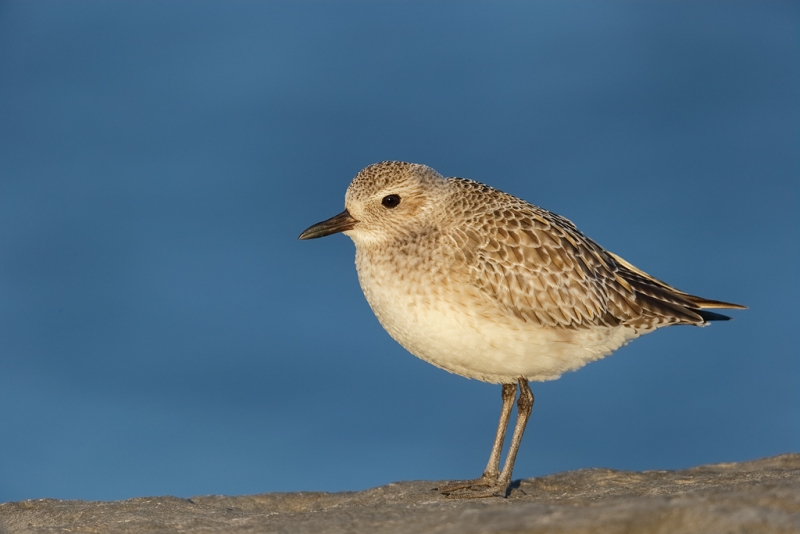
column 391, row 201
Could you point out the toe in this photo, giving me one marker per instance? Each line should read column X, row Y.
column 477, row 484
column 477, row 492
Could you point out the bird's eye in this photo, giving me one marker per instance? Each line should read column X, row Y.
column 391, row 201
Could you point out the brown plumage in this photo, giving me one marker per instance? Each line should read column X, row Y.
column 488, row 286
column 544, row 270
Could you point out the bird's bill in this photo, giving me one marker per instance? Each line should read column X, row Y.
column 338, row 223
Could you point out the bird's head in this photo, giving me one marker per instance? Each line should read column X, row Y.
column 386, row 201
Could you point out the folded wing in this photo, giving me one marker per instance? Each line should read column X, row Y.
column 542, row 269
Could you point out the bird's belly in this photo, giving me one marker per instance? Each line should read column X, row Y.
column 478, row 342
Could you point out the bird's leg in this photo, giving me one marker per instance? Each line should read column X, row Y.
column 524, row 407
column 492, row 471
column 500, row 486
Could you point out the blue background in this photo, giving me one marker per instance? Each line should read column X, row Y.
column 163, row 331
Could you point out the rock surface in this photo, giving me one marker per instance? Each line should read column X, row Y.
column 757, row 496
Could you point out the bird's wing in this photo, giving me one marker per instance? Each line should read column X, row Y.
column 542, row 269
column 644, row 283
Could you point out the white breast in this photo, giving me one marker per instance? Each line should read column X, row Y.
column 457, row 327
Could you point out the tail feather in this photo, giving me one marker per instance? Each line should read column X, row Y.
column 690, row 308
column 712, row 316
column 708, row 303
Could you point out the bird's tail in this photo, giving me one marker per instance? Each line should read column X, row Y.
column 675, row 298
column 704, row 304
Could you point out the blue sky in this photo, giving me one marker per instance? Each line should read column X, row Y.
column 162, row 331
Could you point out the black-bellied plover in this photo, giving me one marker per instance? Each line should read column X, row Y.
column 488, row 286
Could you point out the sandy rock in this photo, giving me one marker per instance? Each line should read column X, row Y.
column 758, row 496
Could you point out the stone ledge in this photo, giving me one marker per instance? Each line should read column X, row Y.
column 758, row 496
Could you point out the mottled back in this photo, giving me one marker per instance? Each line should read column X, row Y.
column 543, row 270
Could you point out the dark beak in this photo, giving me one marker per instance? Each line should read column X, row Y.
column 338, row 223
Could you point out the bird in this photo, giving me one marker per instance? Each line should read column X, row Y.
column 490, row 287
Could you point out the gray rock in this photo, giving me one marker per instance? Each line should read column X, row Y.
column 758, row 496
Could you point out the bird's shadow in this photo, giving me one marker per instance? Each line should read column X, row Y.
column 515, row 485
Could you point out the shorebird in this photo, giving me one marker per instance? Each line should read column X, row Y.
column 487, row 286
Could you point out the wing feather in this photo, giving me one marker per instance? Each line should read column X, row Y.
column 540, row 268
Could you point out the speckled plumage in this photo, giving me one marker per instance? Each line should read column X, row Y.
column 488, row 286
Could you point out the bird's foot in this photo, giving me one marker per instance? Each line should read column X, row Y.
column 480, row 488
